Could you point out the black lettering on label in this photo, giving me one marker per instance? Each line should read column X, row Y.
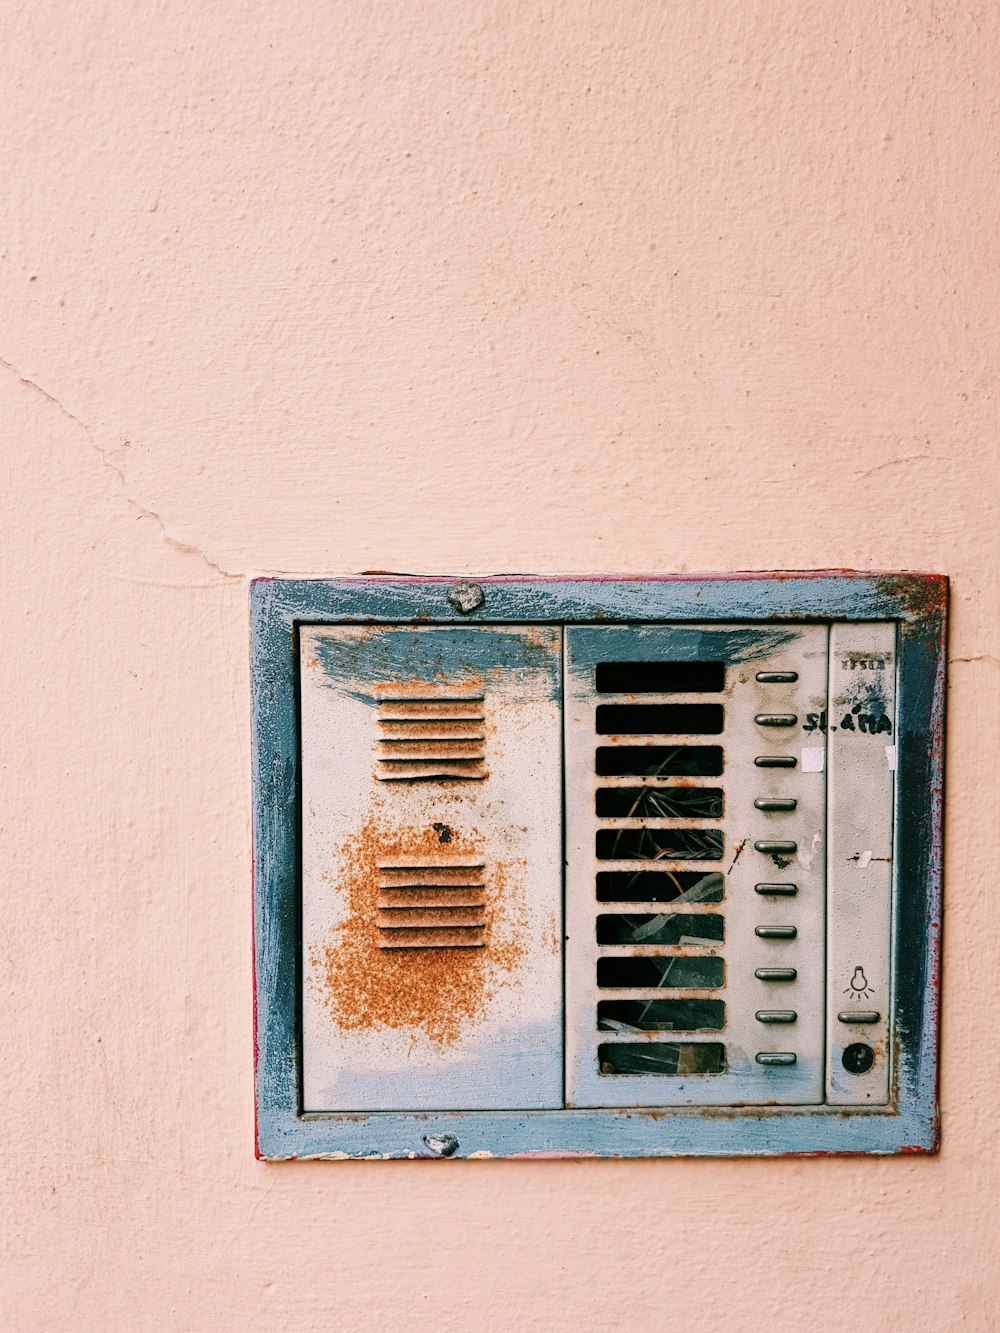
column 862, row 664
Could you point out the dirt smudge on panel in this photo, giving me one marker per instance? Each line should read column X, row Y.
column 439, row 991
column 553, row 936
column 921, row 596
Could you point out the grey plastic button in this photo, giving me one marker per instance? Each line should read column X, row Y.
column 776, row 1015
column 776, row 719
column 775, row 974
column 776, row 890
column 859, row 1016
column 775, row 803
column 776, row 761
column 777, row 677
column 776, row 1057
column 858, row 1058
column 781, row 848
column 776, row 932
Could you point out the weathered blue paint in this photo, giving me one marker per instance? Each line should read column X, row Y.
column 463, row 653
column 732, row 646
column 910, row 1124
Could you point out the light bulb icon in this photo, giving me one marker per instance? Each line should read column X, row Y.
column 859, row 987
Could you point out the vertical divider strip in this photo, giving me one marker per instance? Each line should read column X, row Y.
column 563, row 678
column 861, row 746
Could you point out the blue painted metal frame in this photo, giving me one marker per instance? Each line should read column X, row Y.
column 917, row 602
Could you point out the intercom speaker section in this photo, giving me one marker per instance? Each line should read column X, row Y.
column 431, row 877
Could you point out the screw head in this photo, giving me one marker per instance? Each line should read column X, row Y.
column 466, row 597
column 442, row 1145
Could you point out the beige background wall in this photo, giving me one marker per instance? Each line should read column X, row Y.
column 454, row 286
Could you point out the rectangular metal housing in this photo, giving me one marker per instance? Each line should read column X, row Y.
column 897, row 914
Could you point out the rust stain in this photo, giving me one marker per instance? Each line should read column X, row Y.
column 419, row 710
column 397, row 692
column 541, row 637
column 457, row 749
column 440, row 991
column 923, row 596
column 403, row 917
column 441, row 729
column 553, row 936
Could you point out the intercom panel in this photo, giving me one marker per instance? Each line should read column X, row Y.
column 619, row 867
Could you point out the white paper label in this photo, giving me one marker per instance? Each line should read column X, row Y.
column 813, row 758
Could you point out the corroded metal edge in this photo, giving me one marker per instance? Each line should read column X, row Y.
column 917, row 601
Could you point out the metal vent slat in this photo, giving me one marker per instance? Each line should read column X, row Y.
column 658, row 783
column 428, row 734
column 430, row 903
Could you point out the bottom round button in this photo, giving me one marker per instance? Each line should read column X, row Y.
column 858, row 1058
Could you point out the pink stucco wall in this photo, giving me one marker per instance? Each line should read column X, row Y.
column 442, row 286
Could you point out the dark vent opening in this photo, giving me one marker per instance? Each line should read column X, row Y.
column 659, row 719
column 660, row 802
column 661, row 1057
column 661, row 1015
column 704, row 973
column 659, row 761
column 660, row 886
column 644, row 844
column 679, row 928
column 660, row 677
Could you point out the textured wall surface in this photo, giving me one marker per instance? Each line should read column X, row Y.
column 449, row 286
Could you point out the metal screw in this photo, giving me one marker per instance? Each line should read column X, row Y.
column 442, row 1145
column 465, row 596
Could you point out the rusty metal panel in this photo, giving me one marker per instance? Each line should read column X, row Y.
column 708, row 877
column 861, row 725
column 431, row 867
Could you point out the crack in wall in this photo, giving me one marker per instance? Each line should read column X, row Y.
column 901, row 462
column 108, row 462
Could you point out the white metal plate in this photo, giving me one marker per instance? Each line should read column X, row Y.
column 473, row 1019
column 746, row 651
column 862, row 759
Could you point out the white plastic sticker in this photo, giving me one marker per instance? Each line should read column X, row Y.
column 813, row 757
column 890, row 757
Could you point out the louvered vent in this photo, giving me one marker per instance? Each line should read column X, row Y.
column 659, row 845
column 431, row 904
column 427, row 732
